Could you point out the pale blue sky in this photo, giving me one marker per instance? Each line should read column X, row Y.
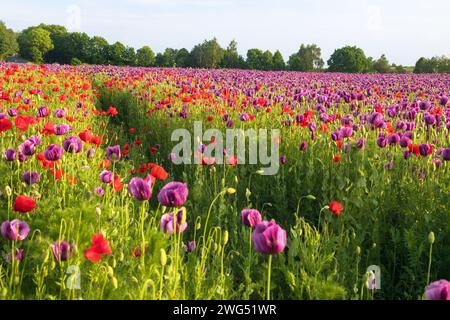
column 403, row 30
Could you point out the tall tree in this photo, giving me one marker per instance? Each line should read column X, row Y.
column 145, row 57
column 231, row 58
column 34, row 43
column 208, row 54
column 182, row 58
column 278, row 61
column 348, row 59
column 308, row 58
column 266, row 60
column 382, row 65
column 115, row 54
column 8, row 42
column 97, row 50
column 254, row 59
column 59, row 36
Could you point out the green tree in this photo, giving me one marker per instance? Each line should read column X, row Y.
column 115, row 54
column 58, row 34
column 34, row 43
column 278, row 61
column 424, row 65
column 182, row 58
column 348, row 59
column 254, row 59
column 267, row 60
column 166, row 59
column 129, row 57
column 231, row 58
column 145, row 57
column 97, row 50
column 208, row 54
column 382, row 65
column 8, row 42
column 307, row 59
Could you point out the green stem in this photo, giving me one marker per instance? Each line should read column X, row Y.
column 269, row 271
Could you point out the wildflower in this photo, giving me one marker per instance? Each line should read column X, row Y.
column 438, row 290
column 173, row 194
column 336, row 208
column 113, row 153
column 62, row 251
column 24, row 204
column 140, row 189
column 269, row 238
column 14, row 230
column 30, row 177
column 72, row 145
column 100, row 245
column 167, row 224
column 53, row 152
column 250, row 217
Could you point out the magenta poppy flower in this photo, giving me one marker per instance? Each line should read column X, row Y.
column 14, row 230
column 53, row 152
column 18, row 256
column 169, row 226
column 140, row 189
column 30, row 177
column 72, row 145
column 250, row 217
column 173, row 194
column 62, row 251
column 113, row 153
column 269, row 238
column 106, row 176
column 438, row 290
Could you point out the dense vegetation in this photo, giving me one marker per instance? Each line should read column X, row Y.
column 54, row 44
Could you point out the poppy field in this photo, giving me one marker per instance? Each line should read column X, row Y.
column 94, row 206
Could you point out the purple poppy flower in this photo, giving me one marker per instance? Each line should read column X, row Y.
column 283, row 159
column 393, row 139
column 113, row 153
column 190, row 247
column 90, row 153
column 72, row 145
column 269, row 238
column 244, row 117
column 99, row 191
column 140, row 189
column 42, row 112
column 62, row 129
column 446, row 154
column 438, row 290
column 62, row 251
column 27, row 148
column 53, row 152
column 303, row 145
column 404, row 141
column 106, row 176
column 229, row 123
column 12, row 112
column 424, row 149
column 443, row 100
column 15, row 230
column 167, row 224
column 361, row 143
column 382, row 142
column 173, row 194
column 10, row 155
column 346, row 132
column 30, row 177
column 18, row 256
column 60, row 113
column 250, row 217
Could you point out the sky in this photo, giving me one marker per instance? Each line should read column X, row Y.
column 404, row 30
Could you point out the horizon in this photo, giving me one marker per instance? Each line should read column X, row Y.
column 403, row 38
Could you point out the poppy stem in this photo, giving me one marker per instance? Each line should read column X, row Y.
column 269, row 271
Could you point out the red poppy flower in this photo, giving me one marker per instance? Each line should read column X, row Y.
column 159, row 173
column 117, row 183
column 5, row 125
column 85, row 135
column 24, row 204
column 143, row 168
column 336, row 158
column 336, row 208
column 112, row 111
column 99, row 246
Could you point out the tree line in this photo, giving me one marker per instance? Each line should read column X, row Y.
column 54, row 44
